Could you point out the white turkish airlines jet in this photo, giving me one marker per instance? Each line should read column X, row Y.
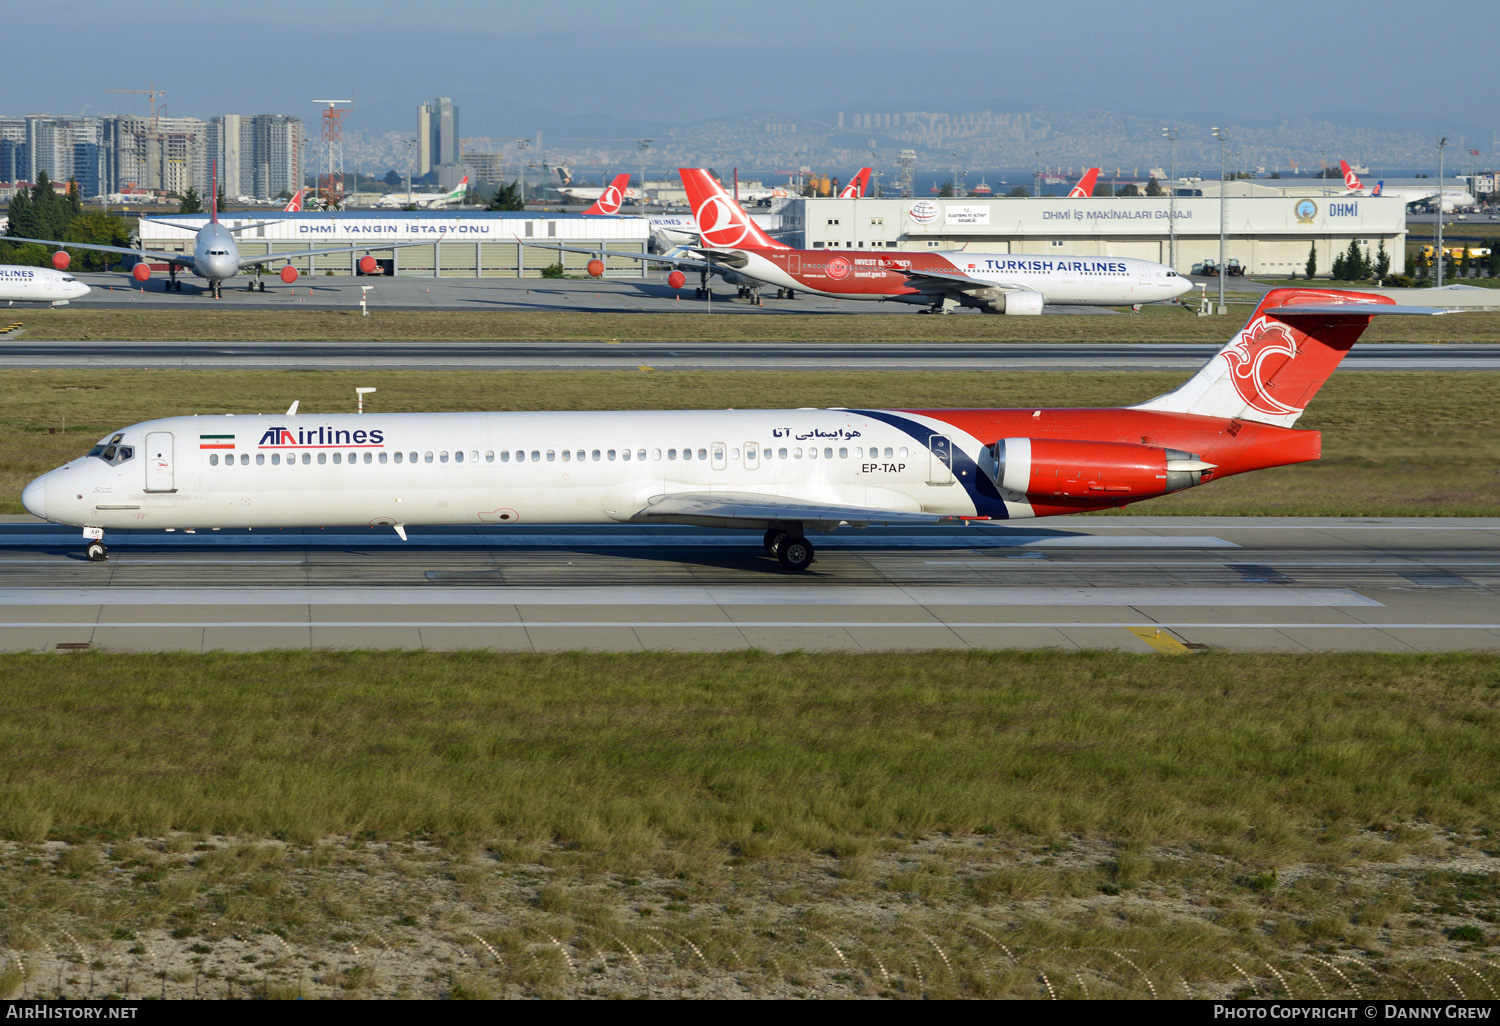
column 1451, row 198
column 786, row 472
column 734, row 247
column 38, row 285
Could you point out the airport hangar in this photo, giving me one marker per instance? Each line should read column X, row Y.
column 1268, row 235
column 464, row 244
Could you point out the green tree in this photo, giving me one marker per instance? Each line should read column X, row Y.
column 1104, row 189
column 50, row 209
column 100, row 229
column 1463, row 263
column 1129, row 189
column 220, row 200
column 1494, row 260
column 1340, row 269
column 1382, row 263
column 507, row 197
column 190, row 204
column 1019, row 192
column 1153, row 188
column 1312, row 261
column 22, row 218
column 1354, row 263
column 73, row 199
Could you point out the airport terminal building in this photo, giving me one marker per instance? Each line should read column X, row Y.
column 1269, row 236
column 455, row 244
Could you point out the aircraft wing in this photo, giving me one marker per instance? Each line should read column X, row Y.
column 265, row 258
column 736, row 509
column 183, row 259
column 947, row 281
column 667, row 258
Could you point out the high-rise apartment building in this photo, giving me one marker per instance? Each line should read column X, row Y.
column 258, row 156
column 437, row 134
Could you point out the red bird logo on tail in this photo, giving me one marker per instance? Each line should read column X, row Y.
column 1261, row 350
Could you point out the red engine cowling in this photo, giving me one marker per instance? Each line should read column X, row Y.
column 596, row 268
column 288, row 274
column 367, row 265
column 1094, row 471
column 676, row 279
column 61, row 260
column 141, row 272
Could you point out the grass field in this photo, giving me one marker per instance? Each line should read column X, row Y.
column 941, row 824
column 1394, row 444
column 1152, row 324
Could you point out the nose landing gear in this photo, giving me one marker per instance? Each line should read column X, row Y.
column 93, row 548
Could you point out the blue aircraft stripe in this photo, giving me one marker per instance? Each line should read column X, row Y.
column 982, row 491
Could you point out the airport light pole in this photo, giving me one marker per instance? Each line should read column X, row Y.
column 411, row 145
column 1438, row 252
column 1171, row 134
column 1221, row 134
column 521, row 145
column 643, row 145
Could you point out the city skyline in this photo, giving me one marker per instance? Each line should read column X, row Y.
column 512, row 68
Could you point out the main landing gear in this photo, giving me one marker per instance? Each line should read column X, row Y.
column 789, row 547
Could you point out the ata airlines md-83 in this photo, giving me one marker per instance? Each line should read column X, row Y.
column 216, row 256
column 734, row 247
column 784, row 472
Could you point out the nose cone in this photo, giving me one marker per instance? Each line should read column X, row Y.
column 79, row 289
column 34, row 498
column 1179, row 286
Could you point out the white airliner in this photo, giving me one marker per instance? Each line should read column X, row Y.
column 786, row 472
column 1452, row 198
column 734, row 247
column 216, row 256
column 38, row 285
column 426, row 200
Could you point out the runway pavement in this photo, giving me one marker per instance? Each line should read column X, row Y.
column 21, row 354
column 1169, row 584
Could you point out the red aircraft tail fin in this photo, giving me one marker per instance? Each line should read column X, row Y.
column 1085, row 186
column 1351, row 180
column 613, row 195
column 722, row 224
column 857, row 185
column 1271, row 370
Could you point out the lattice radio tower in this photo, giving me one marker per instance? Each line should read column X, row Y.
column 906, row 161
column 331, row 155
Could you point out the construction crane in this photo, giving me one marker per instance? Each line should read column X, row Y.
column 152, row 92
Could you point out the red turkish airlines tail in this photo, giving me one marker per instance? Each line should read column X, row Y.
column 722, row 224
column 295, row 203
column 1351, row 180
column 613, row 195
column 1085, row 186
column 857, row 185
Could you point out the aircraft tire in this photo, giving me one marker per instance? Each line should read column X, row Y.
column 95, row 552
column 773, row 540
column 795, row 553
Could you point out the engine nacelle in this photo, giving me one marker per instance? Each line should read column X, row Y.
column 596, row 268
column 141, row 271
column 367, row 264
column 61, row 260
column 289, row 274
column 1096, row 471
column 1015, row 303
column 676, row 279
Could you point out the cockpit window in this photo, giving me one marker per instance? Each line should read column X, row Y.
column 112, row 452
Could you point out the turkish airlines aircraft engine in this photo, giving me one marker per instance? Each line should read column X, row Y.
column 1062, row 469
column 1014, row 303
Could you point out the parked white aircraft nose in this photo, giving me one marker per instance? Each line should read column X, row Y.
column 78, row 288
column 34, row 497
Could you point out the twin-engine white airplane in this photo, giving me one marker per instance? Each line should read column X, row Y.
column 216, row 256
column 38, row 285
column 785, row 472
column 734, row 247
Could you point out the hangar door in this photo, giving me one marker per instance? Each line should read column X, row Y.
column 1150, row 250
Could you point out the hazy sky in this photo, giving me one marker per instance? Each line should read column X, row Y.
column 1268, row 59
